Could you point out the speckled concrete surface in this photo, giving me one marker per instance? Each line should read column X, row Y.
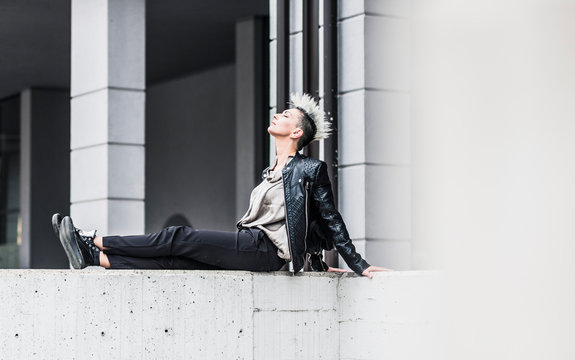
column 132, row 314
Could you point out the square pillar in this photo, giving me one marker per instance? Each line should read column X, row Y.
column 108, row 115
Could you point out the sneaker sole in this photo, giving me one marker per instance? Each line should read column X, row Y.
column 68, row 241
column 56, row 222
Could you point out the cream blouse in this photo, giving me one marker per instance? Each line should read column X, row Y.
column 267, row 211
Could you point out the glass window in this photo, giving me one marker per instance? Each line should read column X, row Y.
column 10, row 238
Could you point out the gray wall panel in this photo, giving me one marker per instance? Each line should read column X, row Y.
column 190, row 145
column 45, row 181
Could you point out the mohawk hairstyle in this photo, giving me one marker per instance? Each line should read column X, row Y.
column 306, row 104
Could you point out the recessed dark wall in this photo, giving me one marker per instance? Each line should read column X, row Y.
column 182, row 37
column 190, row 146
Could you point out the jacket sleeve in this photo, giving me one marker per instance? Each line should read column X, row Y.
column 331, row 221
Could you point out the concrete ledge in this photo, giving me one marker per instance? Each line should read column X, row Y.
column 126, row 314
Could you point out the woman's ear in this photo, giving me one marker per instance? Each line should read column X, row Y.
column 296, row 133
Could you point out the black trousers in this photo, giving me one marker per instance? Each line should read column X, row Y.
column 182, row 247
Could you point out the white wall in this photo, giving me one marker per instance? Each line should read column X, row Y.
column 494, row 171
column 190, row 145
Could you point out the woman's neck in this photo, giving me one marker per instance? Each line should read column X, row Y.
column 283, row 152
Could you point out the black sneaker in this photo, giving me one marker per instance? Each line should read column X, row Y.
column 56, row 222
column 85, row 241
column 90, row 251
column 87, row 235
column 68, row 240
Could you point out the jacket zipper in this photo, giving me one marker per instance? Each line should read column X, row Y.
column 287, row 225
column 287, row 230
column 306, row 219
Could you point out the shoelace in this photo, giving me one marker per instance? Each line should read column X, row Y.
column 88, row 239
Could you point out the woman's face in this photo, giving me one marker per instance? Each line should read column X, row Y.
column 284, row 124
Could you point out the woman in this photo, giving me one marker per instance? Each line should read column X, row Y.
column 291, row 215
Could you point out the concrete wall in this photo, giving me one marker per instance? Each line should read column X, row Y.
column 102, row 314
column 190, row 146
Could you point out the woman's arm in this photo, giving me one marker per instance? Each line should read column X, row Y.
column 331, row 222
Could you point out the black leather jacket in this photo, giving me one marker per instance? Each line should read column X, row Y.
column 312, row 220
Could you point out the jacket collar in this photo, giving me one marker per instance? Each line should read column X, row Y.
column 269, row 168
column 297, row 158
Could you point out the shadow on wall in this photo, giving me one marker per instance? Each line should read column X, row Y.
column 177, row 220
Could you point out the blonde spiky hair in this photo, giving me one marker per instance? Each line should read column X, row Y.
column 306, row 104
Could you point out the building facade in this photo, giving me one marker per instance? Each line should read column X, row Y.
column 454, row 150
column 148, row 115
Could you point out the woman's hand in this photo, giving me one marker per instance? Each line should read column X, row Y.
column 367, row 272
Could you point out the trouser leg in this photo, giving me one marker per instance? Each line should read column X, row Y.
column 157, row 263
column 149, row 245
column 248, row 249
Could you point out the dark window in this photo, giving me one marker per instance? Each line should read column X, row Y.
column 9, row 182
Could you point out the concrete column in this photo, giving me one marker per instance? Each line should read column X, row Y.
column 374, row 129
column 45, row 175
column 107, row 115
column 251, row 116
